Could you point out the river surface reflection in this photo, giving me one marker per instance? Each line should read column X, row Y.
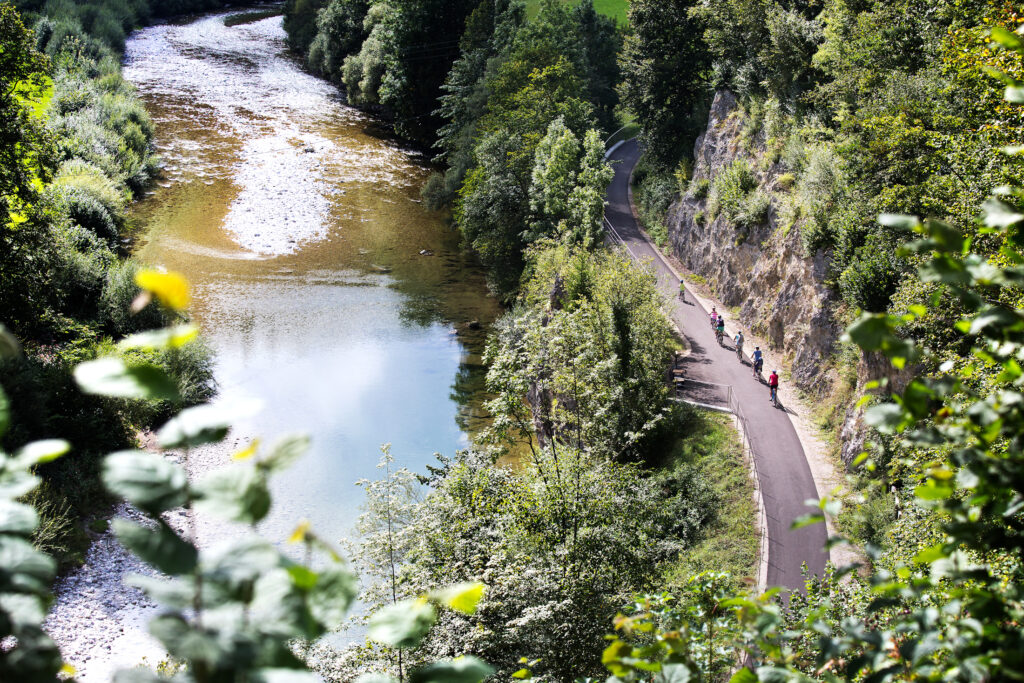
column 325, row 288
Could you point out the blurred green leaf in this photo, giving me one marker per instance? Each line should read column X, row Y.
column 161, row 548
column 1006, row 38
column 112, row 377
column 375, row 678
column 870, row 332
column 744, row 675
column 998, row 214
column 17, row 484
column 403, row 624
column 238, row 493
column 9, row 346
column 23, row 569
column 462, row 597
column 886, row 417
column 929, row 555
column 5, row 412
column 146, row 480
column 332, row 595
column 673, row 673
column 933, row 490
column 138, row 676
column 39, row 452
column 166, row 338
column 465, row 669
column 184, row 642
column 17, row 518
column 807, row 520
column 285, row 676
column 202, row 424
column 899, row 221
column 285, row 451
column 178, row 593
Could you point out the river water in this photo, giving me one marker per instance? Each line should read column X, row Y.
column 326, row 290
column 300, row 228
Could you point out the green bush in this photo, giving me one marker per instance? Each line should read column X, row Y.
column 872, row 277
column 734, row 195
column 754, row 210
column 653, row 196
column 119, row 290
column 699, row 188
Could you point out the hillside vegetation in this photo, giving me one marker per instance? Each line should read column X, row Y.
column 845, row 121
column 77, row 148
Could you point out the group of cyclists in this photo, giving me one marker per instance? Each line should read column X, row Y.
column 718, row 324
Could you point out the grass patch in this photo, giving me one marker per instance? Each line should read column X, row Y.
column 710, row 442
column 616, row 9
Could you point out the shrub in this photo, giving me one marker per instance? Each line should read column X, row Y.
column 654, row 195
column 699, row 188
column 870, row 280
column 786, row 181
column 191, row 366
column 754, row 210
column 119, row 291
column 683, row 174
column 733, row 196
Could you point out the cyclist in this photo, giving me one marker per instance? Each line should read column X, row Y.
column 714, row 318
column 738, row 341
column 758, row 359
column 682, row 290
column 773, row 387
column 720, row 330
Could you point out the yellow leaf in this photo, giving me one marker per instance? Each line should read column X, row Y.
column 170, row 288
column 461, row 597
column 67, row 669
column 247, row 452
column 299, row 535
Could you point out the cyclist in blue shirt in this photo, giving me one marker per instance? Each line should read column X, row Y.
column 758, row 359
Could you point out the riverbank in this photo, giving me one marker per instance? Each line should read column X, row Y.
column 324, row 287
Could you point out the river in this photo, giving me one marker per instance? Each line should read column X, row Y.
column 325, row 288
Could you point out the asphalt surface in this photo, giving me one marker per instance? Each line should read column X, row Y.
column 783, row 473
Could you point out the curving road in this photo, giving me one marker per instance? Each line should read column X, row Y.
column 784, row 475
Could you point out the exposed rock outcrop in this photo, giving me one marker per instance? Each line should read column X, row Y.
column 779, row 289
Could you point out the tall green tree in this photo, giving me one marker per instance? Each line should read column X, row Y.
column 665, row 75
column 340, row 32
column 404, row 61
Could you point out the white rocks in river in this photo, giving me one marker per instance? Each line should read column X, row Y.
column 99, row 622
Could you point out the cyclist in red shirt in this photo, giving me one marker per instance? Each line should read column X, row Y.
column 773, row 387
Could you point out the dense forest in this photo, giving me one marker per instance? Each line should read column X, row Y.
column 865, row 114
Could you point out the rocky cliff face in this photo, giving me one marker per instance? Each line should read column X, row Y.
column 764, row 270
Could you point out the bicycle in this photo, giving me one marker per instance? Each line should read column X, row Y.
column 758, row 364
column 719, row 335
column 739, row 352
column 774, row 392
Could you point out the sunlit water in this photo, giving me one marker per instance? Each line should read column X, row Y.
column 301, row 230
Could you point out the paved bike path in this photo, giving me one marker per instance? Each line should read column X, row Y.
column 785, row 477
